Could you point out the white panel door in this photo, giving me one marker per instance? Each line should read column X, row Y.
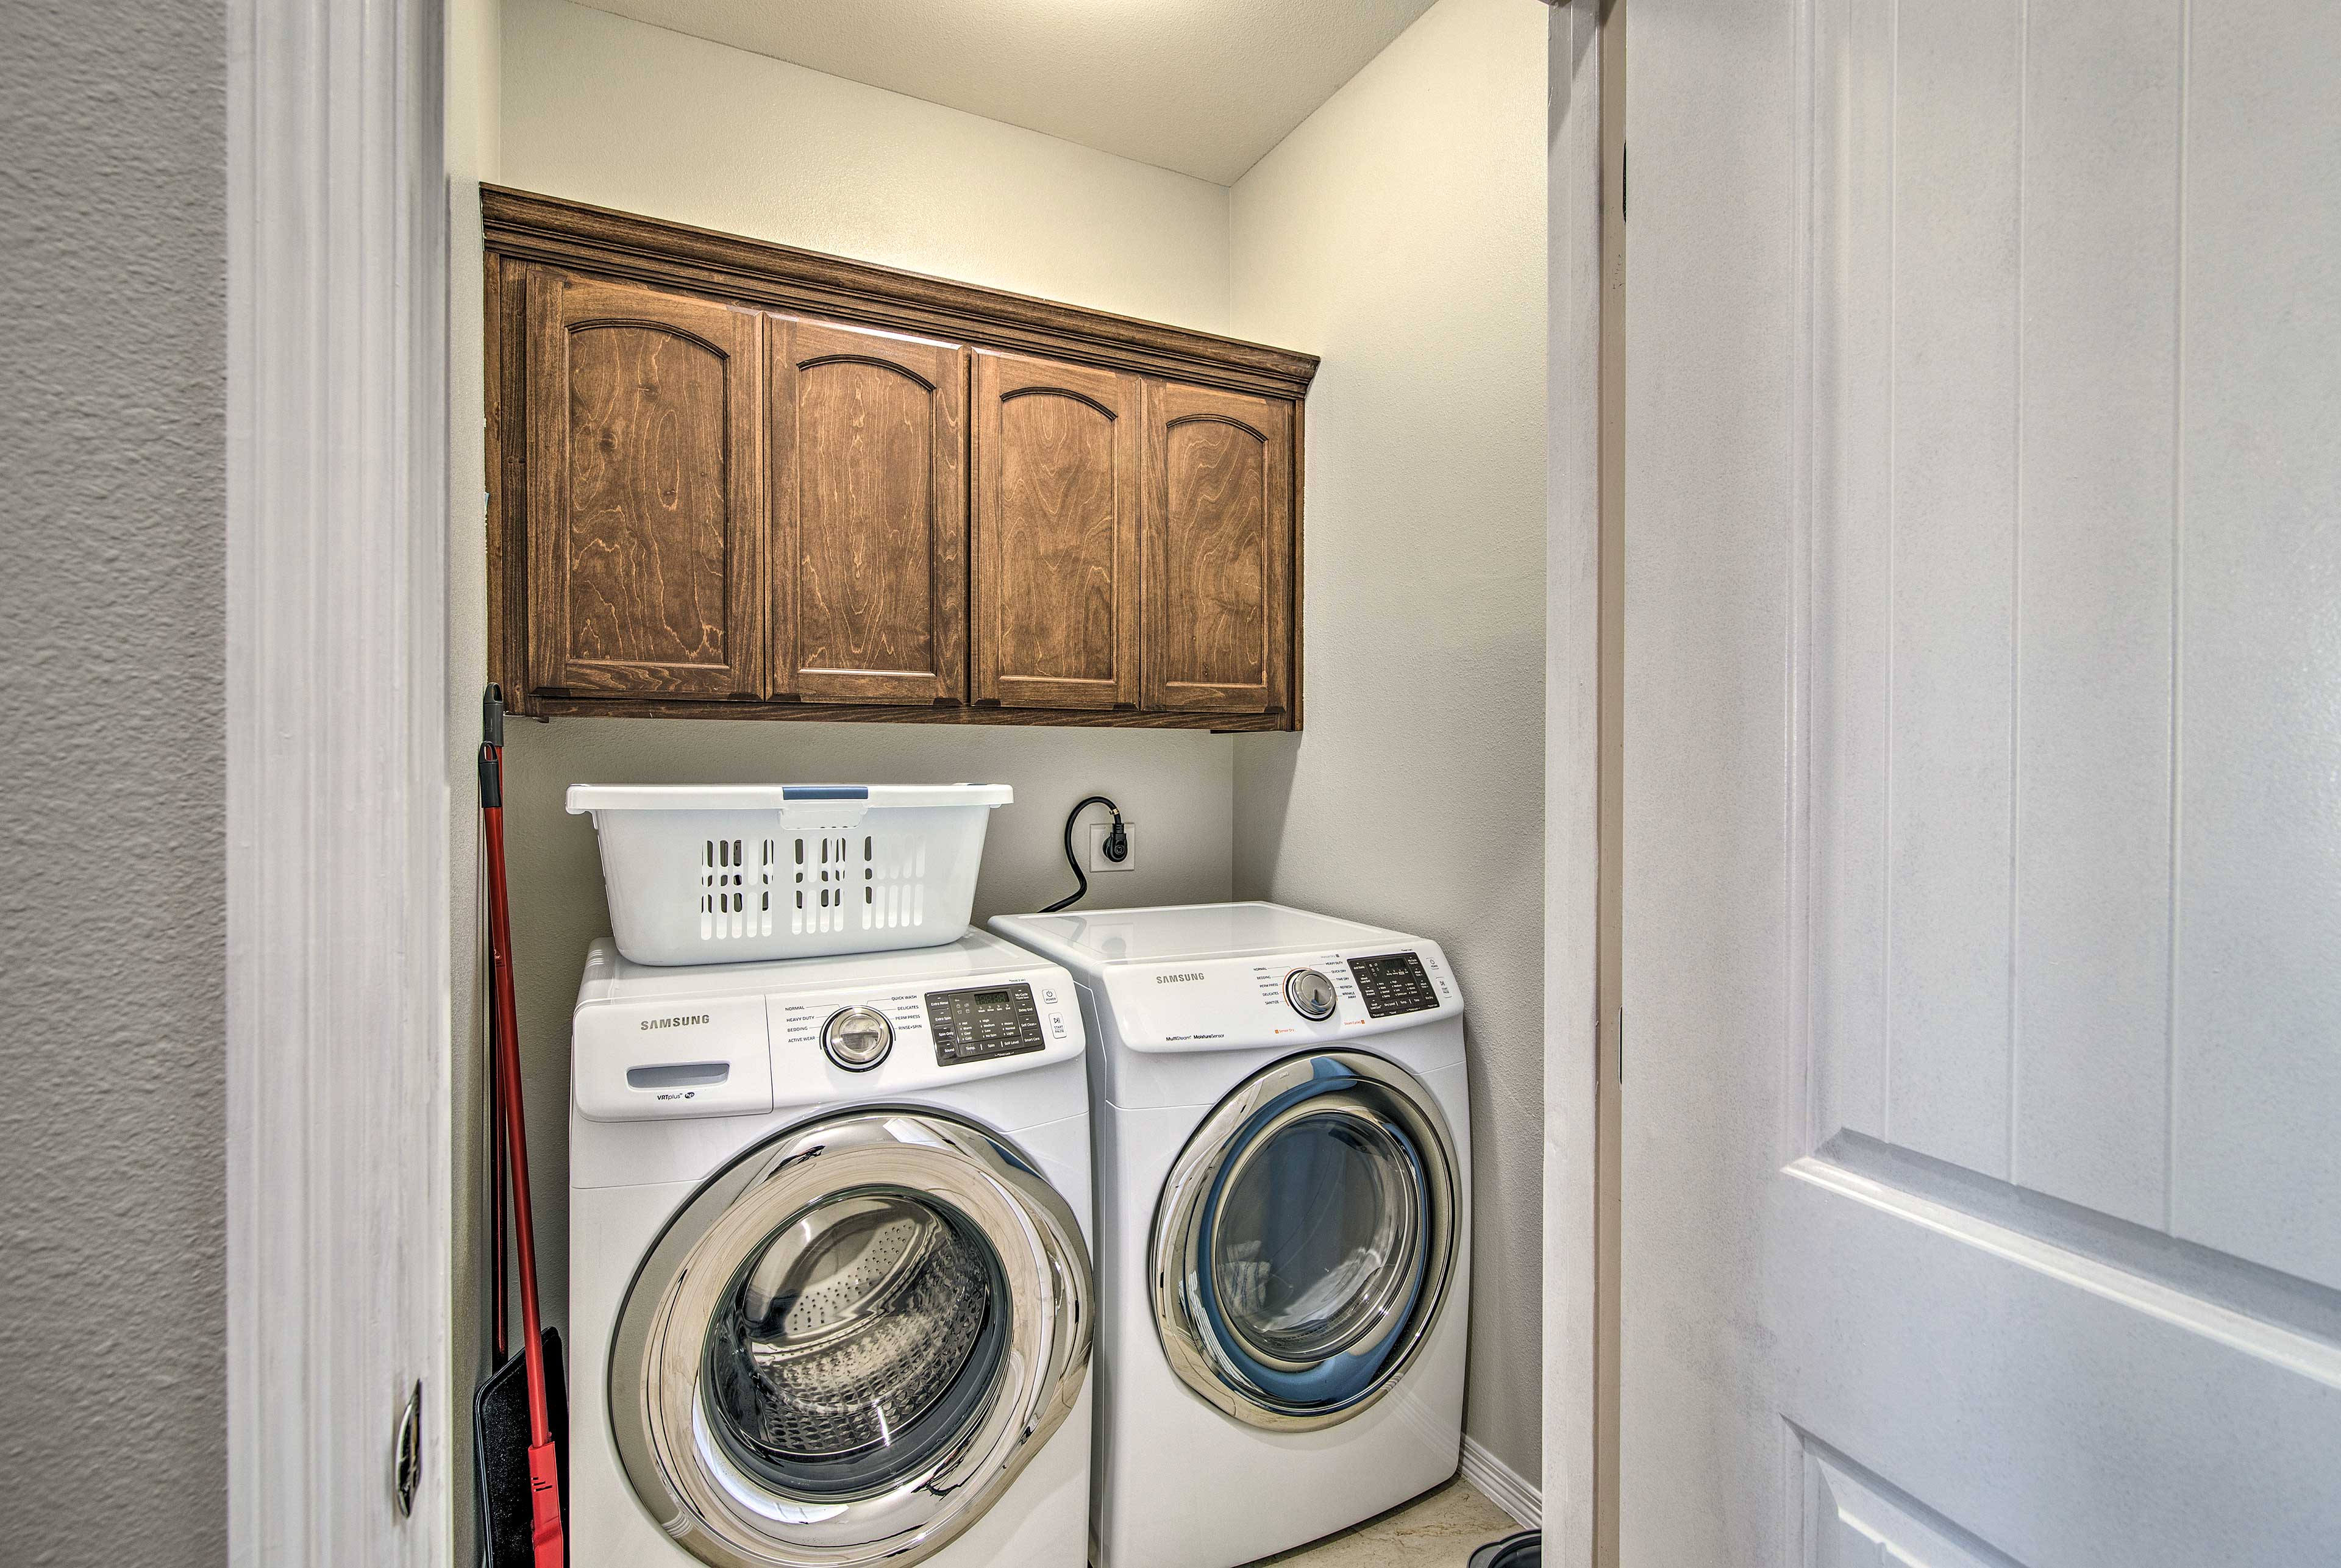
column 1982, row 1159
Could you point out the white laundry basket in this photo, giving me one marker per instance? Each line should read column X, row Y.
column 725, row 872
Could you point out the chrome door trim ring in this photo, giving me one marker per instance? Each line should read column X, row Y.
column 657, row 1420
column 1188, row 1342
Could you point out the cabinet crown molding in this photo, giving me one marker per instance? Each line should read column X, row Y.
column 528, row 226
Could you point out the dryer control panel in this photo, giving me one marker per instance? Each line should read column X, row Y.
column 1393, row 983
column 1290, row 998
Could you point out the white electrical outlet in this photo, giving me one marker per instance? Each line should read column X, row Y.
column 1098, row 862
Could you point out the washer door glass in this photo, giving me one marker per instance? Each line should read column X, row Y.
column 1316, row 1241
column 846, row 1345
column 855, row 1342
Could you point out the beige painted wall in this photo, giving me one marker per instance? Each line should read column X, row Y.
column 1399, row 232
column 606, row 110
column 617, row 113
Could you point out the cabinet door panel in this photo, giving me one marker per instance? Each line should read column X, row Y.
column 646, row 529
column 1056, row 564
column 1219, row 550
column 868, row 433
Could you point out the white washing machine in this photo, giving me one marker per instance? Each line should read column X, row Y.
column 1283, row 1161
column 829, row 1283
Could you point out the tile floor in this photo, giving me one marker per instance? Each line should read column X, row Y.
column 1440, row 1529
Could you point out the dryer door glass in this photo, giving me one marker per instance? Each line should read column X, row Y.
column 845, row 1347
column 1304, row 1240
column 1317, row 1240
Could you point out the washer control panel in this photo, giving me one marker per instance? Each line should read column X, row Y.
column 983, row 1023
column 1393, row 983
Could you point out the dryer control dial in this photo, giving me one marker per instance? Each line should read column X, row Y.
column 1312, row 994
column 857, row 1038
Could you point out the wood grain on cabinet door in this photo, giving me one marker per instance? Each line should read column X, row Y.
column 646, row 534
column 1056, row 559
column 1219, row 550
column 868, row 463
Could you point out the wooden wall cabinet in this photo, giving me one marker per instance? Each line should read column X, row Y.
column 1219, row 550
column 1058, row 449
column 646, row 501
column 732, row 479
column 868, row 460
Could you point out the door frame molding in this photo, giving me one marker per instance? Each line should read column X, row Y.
column 338, row 1232
column 1579, row 304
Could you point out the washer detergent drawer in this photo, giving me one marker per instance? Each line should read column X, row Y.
column 637, row 1061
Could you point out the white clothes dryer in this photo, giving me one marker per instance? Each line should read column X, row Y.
column 829, row 1283
column 1283, row 1161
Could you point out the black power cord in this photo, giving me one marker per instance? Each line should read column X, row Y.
column 1116, row 847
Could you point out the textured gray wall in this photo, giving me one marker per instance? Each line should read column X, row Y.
column 113, row 194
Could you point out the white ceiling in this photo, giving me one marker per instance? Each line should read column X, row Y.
column 1201, row 86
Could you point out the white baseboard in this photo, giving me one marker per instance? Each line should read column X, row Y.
column 1502, row 1485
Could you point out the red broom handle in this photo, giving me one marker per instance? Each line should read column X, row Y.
column 543, row 1476
column 499, row 1295
column 515, row 1131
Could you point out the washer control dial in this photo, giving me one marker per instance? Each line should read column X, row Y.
column 1310, row 994
column 857, row 1038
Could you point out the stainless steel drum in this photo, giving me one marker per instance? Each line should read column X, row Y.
column 847, row 1326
